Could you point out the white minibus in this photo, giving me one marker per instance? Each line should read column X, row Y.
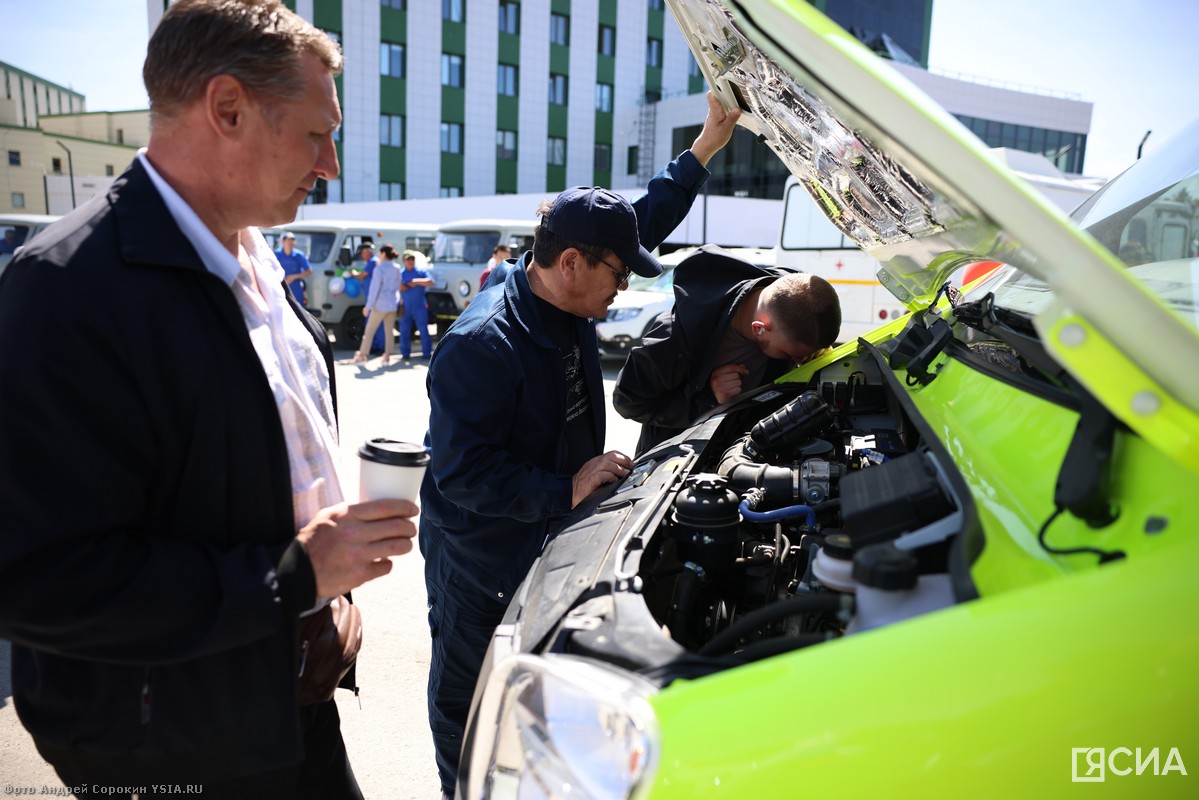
column 335, row 293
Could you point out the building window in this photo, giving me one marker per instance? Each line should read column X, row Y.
column 391, row 191
column 603, row 97
column 398, row 5
column 559, row 29
column 656, row 5
column 451, row 191
column 653, row 52
column 607, row 40
column 452, row 10
column 556, row 151
column 558, row 95
column 391, row 59
column 505, row 145
column 56, row 166
column 391, row 130
column 506, row 80
column 631, row 164
column 108, row 170
column 451, row 138
column 120, row 135
column 692, row 66
column 14, row 158
column 603, row 158
column 451, row 70
column 18, row 199
column 334, row 35
column 509, row 17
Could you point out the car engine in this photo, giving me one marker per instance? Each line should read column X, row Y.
column 814, row 511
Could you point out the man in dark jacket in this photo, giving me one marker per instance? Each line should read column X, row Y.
column 516, row 421
column 734, row 327
column 168, row 440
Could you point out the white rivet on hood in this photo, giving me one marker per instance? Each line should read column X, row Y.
column 1146, row 403
column 1072, row 335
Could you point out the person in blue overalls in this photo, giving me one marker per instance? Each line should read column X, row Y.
column 295, row 266
column 412, row 291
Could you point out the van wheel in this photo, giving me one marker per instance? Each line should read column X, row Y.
column 351, row 328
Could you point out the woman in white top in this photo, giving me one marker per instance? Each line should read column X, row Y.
column 381, row 303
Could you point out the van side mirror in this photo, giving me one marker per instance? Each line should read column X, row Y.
column 345, row 257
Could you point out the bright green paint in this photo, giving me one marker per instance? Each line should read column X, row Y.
column 985, row 699
column 1126, row 390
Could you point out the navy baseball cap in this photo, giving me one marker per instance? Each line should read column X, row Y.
column 596, row 216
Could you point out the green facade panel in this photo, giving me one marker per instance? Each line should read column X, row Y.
column 557, row 120
column 453, row 104
column 393, row 95
column 509, row 49
column 326, row 15
column 603, row 127
column 655, row 23
column 453, row 37
column 393, row 25
column 393, row 163
column 605, row 69
column 505, row 177
column 607, row 12
column 559, row 59
column 507, row 113
column 653, row 79
column 452, row 169
column 555, row 178
column 560, row 7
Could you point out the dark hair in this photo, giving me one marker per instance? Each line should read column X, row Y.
column 388, row 250
column 547, row 245
column 258, row 42
column 805, row 308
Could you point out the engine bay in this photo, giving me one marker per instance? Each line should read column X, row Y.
column 814, row 511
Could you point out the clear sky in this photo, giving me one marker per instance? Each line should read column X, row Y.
column 1137, row 62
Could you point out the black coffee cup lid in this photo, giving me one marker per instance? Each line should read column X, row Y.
column 399, row 454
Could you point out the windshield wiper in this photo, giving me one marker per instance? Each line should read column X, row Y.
column 1014, row 330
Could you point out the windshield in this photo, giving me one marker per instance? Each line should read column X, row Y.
column 663, row 284
column 1148, row 217
column 317, row 246
column 472, row 247
column 12, row 237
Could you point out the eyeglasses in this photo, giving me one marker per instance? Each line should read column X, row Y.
column 622, row 275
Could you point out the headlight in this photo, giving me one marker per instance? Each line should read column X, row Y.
column 620, row 314
column 463, row 288
column 558, row 726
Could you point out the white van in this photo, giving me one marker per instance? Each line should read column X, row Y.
column 461, row 254
column 809, row 242
column 335, row 293
column 636, row 308
column 18, row 229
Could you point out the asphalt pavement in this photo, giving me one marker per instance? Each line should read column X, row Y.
column 386, row 727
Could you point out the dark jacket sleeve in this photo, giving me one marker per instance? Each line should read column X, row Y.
column 668, row 198
column 653, row 387
column 475, row 464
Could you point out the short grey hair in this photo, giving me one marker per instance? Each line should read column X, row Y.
column 258, row 42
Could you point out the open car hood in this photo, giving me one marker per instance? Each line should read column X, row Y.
column 916, row 190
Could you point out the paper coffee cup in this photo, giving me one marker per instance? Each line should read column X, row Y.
column 391, row 470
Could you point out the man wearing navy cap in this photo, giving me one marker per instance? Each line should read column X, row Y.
column 516, row 423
